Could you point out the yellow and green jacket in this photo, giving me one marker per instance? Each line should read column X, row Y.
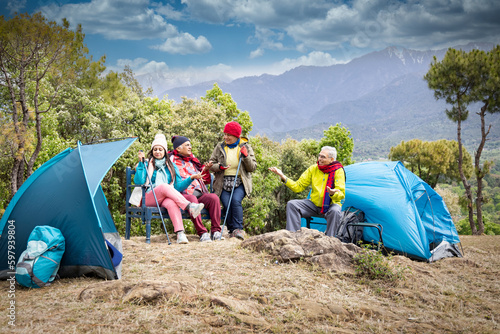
column 315, row 178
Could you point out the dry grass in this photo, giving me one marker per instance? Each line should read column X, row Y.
column 450, row 296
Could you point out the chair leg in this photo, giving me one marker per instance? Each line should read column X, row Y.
column 127, row 227
column 148, row 231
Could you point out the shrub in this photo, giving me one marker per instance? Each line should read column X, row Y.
column 373, row 264
column 490, row 228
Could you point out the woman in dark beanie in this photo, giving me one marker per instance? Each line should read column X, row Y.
column 197, row 192
column 224, row 163
column 167, row 184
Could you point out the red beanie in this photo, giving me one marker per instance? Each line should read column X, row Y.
column 233, row 128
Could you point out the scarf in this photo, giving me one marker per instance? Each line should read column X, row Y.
column 199, row 167
column 191, row 158
column 330, row 182
column 161, row 173
column 233, row 145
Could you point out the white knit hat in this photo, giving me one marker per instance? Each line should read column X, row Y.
column 160, row 140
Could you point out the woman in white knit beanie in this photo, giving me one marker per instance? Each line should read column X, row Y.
column 167, row 185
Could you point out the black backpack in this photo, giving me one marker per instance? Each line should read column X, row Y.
column 349, row 233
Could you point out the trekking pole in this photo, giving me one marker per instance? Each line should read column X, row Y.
column 156, row 200
column 231, row 197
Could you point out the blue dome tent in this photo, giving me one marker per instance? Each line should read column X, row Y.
column 415, row 220
column 65, row 193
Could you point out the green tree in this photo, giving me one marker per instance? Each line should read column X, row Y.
column 129, row 80
column 293, row 161
column 261, row 208
column 451, row 199
column 225, row 102
column 462, row 79
column 340, row 138
column 36, row 58
column 432, row 161
column 200, row 122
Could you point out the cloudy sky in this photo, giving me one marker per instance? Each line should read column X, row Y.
column 202, row 38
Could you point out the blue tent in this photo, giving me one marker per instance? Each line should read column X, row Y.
column 414, row 217
column 65, row 193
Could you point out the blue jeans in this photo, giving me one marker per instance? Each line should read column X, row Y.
column 234, row 218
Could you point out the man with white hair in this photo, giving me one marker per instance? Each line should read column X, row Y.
column 327, row 179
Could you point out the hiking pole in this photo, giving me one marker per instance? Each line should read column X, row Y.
column 156, row 200
column 230, row 197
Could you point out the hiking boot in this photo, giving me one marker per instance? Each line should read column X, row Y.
column 239, row 234
column 205, row 237
column 181, row 238
column 195, row 209
column 216, row 236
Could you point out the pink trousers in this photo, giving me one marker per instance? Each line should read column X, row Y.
column 169, row 198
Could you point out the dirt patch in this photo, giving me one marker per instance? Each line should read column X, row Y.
column 222, row 287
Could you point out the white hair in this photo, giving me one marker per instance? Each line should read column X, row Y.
column 332, row 151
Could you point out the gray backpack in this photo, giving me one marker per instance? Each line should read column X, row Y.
column 350, row 233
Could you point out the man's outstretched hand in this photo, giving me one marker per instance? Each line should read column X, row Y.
column 278, row 172
column 332, row 191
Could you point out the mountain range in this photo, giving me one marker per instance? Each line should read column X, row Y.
column 380, row 97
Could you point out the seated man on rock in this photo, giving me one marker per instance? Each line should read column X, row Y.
column 327, row 179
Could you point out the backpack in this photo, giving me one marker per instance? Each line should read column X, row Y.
column 39, row 263
column 350, row 234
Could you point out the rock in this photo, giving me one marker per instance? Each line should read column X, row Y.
column 291, row 252
column 337, row 262
column 308, row 244
column 106, row 291
column 236, row 305
column 289, row 296
column 152, row 292
column 375, row 311
column 353, row 248
column 251, row 321
column 337, row 310
column 317, row 311
column 145, row 292
column 265, row 242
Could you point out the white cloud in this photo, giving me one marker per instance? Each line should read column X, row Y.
column 184, row 44
column 113, row 19
column 161, row 77
column 153, row 67
column 256, row 53
column 413, row 24
column 372, row 24
column 315, row 58
column 140, row 63
column 264, row 13
column 268, row 39
column 15, row 6
column 169, row 12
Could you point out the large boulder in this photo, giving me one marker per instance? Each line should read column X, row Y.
column 307, row 244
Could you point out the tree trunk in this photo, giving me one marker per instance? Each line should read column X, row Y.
column 13, row 176
column 466, row 184
column 38, row 126
column 480, row 173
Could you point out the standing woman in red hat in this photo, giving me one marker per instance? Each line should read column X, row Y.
column 224, row 163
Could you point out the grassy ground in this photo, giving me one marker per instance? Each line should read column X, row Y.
column 230, row 289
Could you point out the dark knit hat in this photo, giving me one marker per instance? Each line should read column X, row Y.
column 233, row 128
column 178, row 141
